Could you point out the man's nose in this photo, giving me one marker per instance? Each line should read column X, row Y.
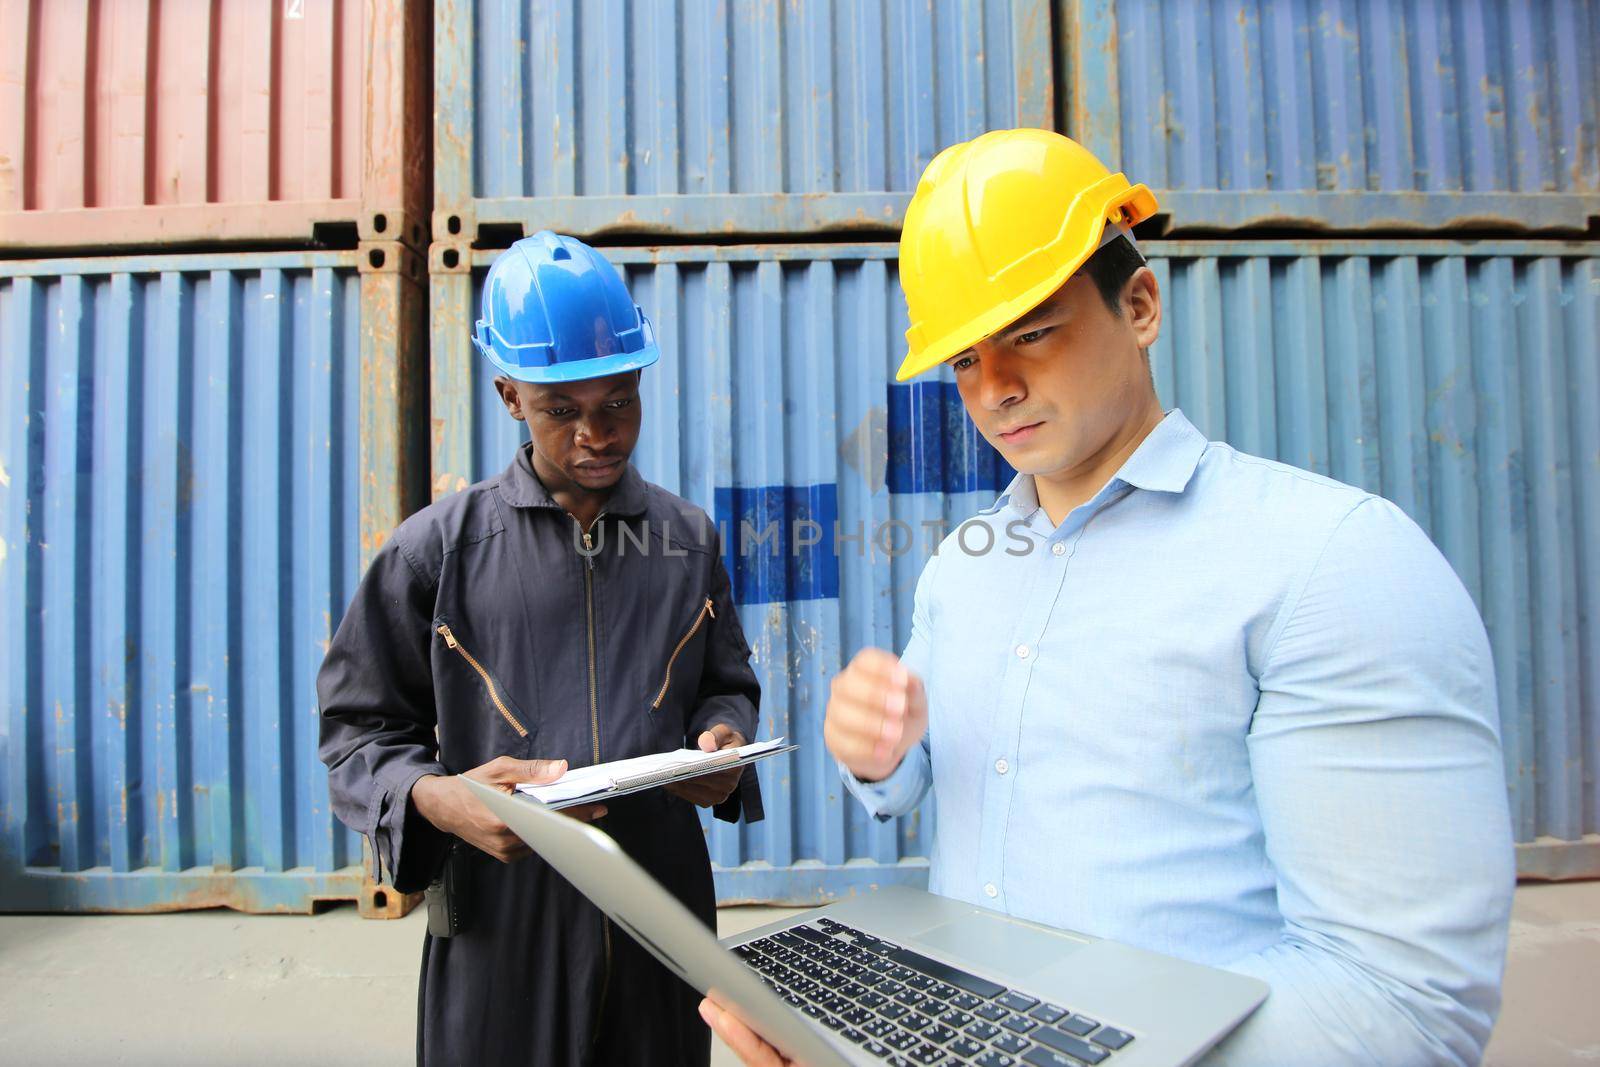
column 594, row 431
column 999, row 385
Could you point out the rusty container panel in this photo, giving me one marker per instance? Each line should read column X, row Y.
column 1460, row 380
column 713, row 117
column 133, row 123
column 1341, row 115
column 184, row 478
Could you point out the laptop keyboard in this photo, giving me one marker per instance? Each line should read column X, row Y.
column 908, row 1009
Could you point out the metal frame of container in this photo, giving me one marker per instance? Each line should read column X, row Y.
column 1450, row 376
column 716, row 147
column 156, row 681
column 141, row 124
column 1341, row 117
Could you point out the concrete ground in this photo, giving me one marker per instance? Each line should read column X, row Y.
column 218, row 987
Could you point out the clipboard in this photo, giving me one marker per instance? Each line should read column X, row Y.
column 591, row 785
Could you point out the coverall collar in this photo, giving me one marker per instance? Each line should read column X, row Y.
column 521, row 488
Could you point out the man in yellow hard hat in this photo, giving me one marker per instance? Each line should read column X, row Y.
column 1221, row 708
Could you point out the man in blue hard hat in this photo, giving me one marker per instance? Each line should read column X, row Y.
column 515, row 629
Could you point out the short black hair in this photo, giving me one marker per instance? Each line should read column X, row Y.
column 1111, row 267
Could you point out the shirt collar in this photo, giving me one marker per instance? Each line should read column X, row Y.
column 1020, row 496
column 521, row 488
column 1164, row 462
column 1166, row 459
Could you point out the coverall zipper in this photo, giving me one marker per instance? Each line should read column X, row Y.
column 705, row 609
column 594, row 733
column 450, row 640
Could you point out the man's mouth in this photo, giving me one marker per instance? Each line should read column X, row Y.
column 1020, row 433
column 599, row 466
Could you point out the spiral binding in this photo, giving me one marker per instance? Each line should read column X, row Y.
column 669, row 773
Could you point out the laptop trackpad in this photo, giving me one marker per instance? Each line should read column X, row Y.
column 996, row 944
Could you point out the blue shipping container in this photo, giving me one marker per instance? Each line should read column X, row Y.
column 187, row 465
column 705, row 116
column 1339, row 114
column 1458, row 380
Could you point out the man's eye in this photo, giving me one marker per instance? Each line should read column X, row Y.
column 618, row 405
column 1032, row 336
column 558, row 413
column 962, row 364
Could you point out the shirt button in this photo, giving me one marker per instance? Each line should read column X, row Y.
column 1022, row 651
column 1001, row 766
column 1058, row 549
column 990, row 890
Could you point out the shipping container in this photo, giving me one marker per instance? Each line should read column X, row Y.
column 716, row 116
column 1459, row 380
column 199, row 454
column 1344, row 115
column 135, row 123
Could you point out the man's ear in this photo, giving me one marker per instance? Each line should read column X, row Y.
column 509, row 397
column 1141, row 303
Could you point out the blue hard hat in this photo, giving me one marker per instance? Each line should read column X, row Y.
column 555, row 310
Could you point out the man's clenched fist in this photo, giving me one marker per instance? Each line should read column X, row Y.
column 876, row 711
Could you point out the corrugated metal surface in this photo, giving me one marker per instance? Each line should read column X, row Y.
column 136, row 122
column 1346, row 115
column 184, row 480
column 1458, row 380
column 706, row 116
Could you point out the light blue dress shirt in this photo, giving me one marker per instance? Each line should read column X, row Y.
column 1234, row 712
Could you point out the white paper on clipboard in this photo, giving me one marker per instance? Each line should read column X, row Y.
column 585, row 784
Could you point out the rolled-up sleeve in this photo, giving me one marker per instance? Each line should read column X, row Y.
column 904, row 788
column 1378, row 773
column 729, row 693
column 375, row 692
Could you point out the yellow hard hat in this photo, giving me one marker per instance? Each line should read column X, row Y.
column 996, row 225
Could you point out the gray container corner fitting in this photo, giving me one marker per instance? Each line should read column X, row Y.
column 200, row 452
column 1459, row 380
column 712, row 118
column 1336, row 115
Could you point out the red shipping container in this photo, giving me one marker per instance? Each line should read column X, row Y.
column 132, row 123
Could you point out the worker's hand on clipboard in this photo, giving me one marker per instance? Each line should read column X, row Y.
column 709, row 790
column 447, row 803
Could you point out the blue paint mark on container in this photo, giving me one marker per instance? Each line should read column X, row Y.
column 778, row 541
column 933, row 446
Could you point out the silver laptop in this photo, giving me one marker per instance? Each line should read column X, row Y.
column 900, row 976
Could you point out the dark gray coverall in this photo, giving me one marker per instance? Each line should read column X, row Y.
column 494, row 585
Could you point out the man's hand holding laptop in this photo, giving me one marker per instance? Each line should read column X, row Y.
column 877, row 709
